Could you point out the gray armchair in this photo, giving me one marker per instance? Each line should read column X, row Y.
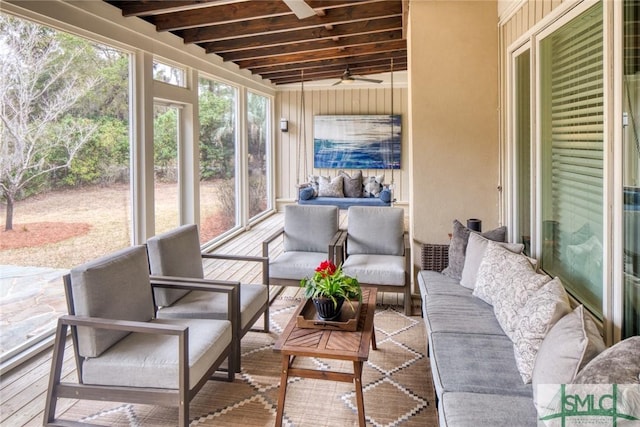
column 376, row 250
column 309, row 237
column 176, row 254
column 124, row 354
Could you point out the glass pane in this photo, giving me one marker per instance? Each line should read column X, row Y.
column 64, row 166
column 169, row 74
column 572, row 156
column 165, row 163
column 218, row 124
column 258, row 114
column 631, row 174
column 523, row 148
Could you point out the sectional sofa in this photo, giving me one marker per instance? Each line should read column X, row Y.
column 491, row 346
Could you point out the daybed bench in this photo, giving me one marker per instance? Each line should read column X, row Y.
column 345, row 191
column 484, row 376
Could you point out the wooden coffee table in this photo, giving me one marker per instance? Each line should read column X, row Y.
column 328, row 344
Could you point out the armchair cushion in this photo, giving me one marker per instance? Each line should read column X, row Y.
column 300, row 220
column 124, row 273
column 376, row 269
column 209, row 305
column 150, row 360
column 375, row 230
column 295, row 265
column 182, row 260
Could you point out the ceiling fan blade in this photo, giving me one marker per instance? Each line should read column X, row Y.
column 300, row 8
column 362, row 79
column 337, row 83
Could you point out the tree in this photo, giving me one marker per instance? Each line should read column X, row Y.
column 44, row 74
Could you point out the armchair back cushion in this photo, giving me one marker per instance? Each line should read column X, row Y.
column 309, row 228
column 375, row 231
column 175, row 253
column 116, row 286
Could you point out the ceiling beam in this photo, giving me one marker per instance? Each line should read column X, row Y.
column 316, row 33
column 326, row 54
column 313, row 47
column 361, row 12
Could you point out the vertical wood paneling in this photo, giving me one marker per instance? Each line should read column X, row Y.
column 334, row 101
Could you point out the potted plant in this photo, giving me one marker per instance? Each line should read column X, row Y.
column 328, row 288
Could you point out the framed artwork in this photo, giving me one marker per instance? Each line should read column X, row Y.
column 357, row 142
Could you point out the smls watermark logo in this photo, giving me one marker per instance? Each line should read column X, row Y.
column 602, row 405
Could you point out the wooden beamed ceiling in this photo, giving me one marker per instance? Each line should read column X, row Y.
column 268, row 39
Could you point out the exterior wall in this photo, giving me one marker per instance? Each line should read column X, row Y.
column 294, row 163
column 453, row 98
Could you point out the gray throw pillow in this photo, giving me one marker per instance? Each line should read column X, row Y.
column 351, row 185
column 458, row 247
column 619, row 364
column 570, row 344
column 330, row 187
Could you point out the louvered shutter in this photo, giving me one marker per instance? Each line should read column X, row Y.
column 572, row 155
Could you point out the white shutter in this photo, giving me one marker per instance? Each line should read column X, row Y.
column 572, row 191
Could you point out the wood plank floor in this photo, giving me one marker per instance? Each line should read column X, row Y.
column 23, row 389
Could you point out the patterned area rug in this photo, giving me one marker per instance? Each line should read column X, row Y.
column 398, row 389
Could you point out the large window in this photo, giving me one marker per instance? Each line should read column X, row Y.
column 258, row 138
column 631, row 168
column 572, row 141
column 218, row 142
column 64, row 169
column 166, row 120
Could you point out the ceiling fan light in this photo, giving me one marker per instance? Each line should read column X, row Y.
column 347, row 81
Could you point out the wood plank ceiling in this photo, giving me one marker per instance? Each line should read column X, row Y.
column 268, row 39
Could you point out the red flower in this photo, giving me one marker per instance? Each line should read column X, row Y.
column 326, row 268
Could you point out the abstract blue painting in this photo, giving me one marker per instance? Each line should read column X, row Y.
column 357, row 142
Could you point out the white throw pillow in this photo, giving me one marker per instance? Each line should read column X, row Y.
column 570, row 344
column 331, row 187
column 476, row 249
column 541, row 311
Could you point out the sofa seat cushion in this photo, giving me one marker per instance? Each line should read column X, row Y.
column 478, row 409
column 456, row 313
column 376, row 269
column 151, row 360
column 295, row 265
column 212, row 305
column 475, row 363
column 434, row 283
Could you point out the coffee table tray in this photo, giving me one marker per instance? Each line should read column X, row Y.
column 347, row 321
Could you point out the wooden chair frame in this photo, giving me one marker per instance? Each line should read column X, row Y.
column 341, row 252
column 295, row 282
column 180, row 397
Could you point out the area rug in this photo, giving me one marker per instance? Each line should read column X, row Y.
column 398, row 390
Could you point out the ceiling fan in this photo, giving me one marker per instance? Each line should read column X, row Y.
column 347, row 78
column 301, row 9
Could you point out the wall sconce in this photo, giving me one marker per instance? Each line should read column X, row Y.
column 284, row 125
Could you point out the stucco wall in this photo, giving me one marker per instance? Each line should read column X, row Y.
column 453, row 109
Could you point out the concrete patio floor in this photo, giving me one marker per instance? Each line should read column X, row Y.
column 31, row 300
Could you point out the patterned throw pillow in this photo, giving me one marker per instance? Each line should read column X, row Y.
column 330, row 187
column 352, row 185
column 372, row 185
column 458, row 247
column 506, row 280
column 473, row 257
column 541, row 311
column 314, row 182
